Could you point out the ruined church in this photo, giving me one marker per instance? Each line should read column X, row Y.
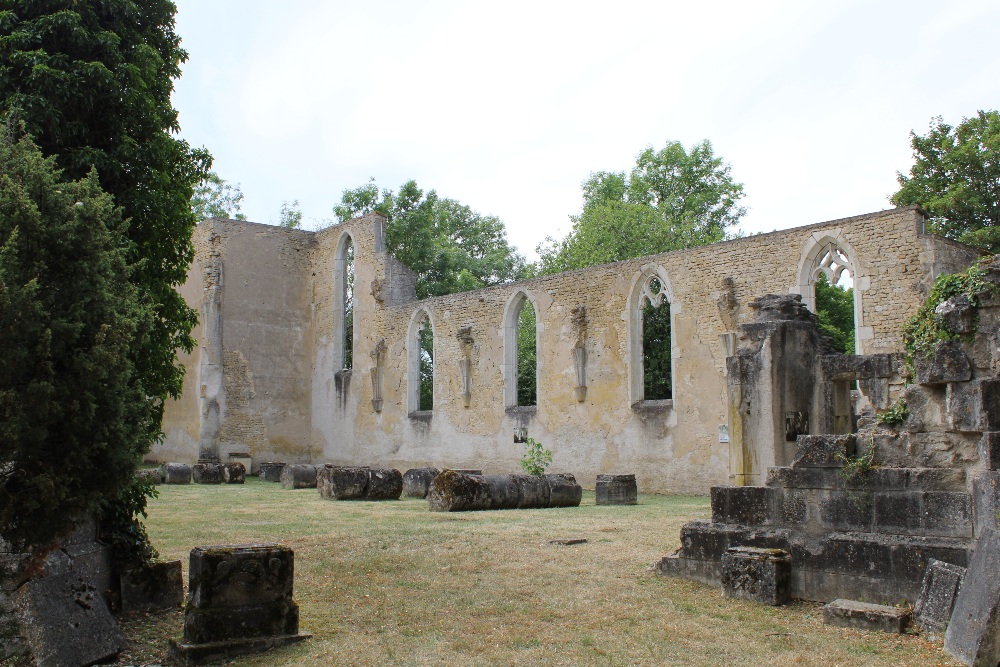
column 312, row 347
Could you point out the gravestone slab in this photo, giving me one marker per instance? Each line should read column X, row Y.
column 865, row 616
column 973, row 636
column 239, row 602
column 176, row 473
column 942, row 582
column 66, row 622
column 417, row 481
column 759, row 575
column 271, row 471
column 157, row 586
column 616, row 490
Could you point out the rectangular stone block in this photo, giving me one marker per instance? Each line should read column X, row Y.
column 157, row 586
column 948, row 363
column 973, row 636
column 240, row 575
column 947, row 513
column 898, row 512
column 937, row 596
column 846, row 510
column 759, row 575
column 746, row 505
column 989, row 450
column 974, row 406
column 616, row 490
column 270, row 471
column 66, row 622
column 865, row 616
column 823, row 451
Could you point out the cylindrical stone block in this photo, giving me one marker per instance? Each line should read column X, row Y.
column 153, row 475
column 384, row 484
column 563, row 490
column 234, row 473
column 616, row 490
column 271, row 471
column 342, row 482
column 206, row 473
column 176, row 473
column 417, row 481
column 455, row 492
column 298, row 476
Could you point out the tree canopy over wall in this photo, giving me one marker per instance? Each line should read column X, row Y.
column 955, row 178
column 451, row 247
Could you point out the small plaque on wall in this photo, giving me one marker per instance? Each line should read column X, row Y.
column 723, row 432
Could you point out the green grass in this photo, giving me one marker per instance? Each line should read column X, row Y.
column 391, row 583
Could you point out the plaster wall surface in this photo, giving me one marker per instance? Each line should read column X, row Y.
column 288, row 398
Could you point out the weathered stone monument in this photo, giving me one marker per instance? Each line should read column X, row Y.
column 271, row 471
column 760, row 575
column 239, row 601
column 616, row 490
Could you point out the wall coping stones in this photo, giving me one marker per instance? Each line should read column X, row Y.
column 866, row 616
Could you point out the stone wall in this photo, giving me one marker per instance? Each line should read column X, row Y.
column 286, row 397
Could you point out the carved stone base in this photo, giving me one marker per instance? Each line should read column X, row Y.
column 201, row 654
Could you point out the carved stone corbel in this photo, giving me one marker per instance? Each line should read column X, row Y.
column 378, row 371
column 466, row 341
column 580, row 352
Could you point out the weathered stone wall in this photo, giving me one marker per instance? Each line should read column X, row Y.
column 283, row 349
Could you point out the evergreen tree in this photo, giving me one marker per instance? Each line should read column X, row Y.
column 91, row 82
column 74, row 412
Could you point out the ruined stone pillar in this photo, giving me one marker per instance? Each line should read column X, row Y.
column 772, row 384
column 210, row 371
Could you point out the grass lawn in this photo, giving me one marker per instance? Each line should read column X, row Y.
column 390, row 583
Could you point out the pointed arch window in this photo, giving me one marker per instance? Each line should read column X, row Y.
column 651, row 345
column 829, row 285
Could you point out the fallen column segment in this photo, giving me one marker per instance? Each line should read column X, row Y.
column 452, row 491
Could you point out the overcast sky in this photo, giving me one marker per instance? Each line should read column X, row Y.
column 509, row 106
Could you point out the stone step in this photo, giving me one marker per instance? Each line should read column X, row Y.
column 865, row 616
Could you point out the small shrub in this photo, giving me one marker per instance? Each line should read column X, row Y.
column 536, row 458
column 897, row 414
column 925, row 330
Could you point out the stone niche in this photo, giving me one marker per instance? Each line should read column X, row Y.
column 239, row 602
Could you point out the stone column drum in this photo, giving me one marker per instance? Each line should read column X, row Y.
column 616, row 490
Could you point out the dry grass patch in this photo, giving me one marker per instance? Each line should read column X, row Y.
column 390, row 583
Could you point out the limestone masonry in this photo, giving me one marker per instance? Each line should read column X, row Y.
column 268, row 374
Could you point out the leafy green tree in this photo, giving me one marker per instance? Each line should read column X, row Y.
column 291, row 214
column 214, row 197
column 451, row 247
column 91, row 81
column 671, row 199
column 955, row 178
column 835, row 309
column 74, row 411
